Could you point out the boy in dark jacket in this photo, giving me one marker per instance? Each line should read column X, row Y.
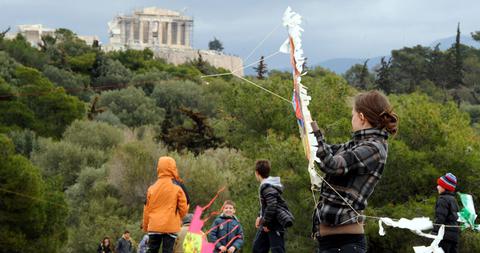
column 271, row 230
column 226, row 230
column 446, row 212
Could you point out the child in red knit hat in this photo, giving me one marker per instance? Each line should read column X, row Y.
column 446, row 212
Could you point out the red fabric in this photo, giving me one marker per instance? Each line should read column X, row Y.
column 445, row 185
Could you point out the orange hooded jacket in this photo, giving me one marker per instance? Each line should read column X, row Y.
column 166, row 203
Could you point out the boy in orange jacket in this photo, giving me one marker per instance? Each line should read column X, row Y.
column 165, row 206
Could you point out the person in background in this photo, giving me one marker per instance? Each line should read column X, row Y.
column 124, row 244
column 143, row 245
column 165, row 206
column 178, row 247
column 105, row 246
column 446, row 210
column 270, row 230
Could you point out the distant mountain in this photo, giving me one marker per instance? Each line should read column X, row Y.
column 341, row 65
column 446, row 43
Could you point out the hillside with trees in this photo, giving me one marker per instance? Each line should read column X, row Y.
column 81, row 131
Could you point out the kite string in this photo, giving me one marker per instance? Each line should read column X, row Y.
column 263, row 88
column 261, row 42
column 233, row 72
column 362, row 215
column 33, row 198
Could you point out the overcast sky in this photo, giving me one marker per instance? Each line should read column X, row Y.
column 333, row 28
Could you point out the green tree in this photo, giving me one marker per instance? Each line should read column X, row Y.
column 133, row 59
column 7, row 67
column 384, row 76
column 132, row 169
column 64, row 160
column 56, row 56
column 196, row 138
column 458, row 67
column 97, row 135
column 443, row 132
column 147, row 81
column 215, row 45
column 69, row 80
column 472, row 76
column 476, row 35
column 3, row 33
column 96, row 212
column 132, row 107
column 69, row 44
column 110, row 74
column 261, row 69
column 203, row 66
column 359, row 76
column 82, row 63
column 25, row 141
column 440, row 68
column 409, row 68
column 84, row 144
column 21, row 50
column 407, row 165
column 54, row 110
column 16, row 115
column 173, row 95
column 33, row 214
column 74, row 83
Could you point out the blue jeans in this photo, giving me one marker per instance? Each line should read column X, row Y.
column 272, row 240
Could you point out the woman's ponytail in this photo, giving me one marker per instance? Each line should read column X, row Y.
column 377, row 110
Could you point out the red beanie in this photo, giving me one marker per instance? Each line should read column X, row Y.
column 448, row 182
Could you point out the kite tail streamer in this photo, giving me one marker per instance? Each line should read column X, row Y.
column 300, row 98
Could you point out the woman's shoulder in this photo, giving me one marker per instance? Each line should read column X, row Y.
column 375, row 144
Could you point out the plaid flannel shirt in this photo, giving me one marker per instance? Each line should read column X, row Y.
column 353, row 169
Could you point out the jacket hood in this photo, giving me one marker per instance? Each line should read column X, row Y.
column 223, row 216
column 167, row 167
column 187, row 219
column 273, row 181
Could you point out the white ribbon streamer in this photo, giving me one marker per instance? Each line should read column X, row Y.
column 416, row 225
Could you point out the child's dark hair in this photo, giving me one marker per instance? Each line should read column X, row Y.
column 228, row 202
column 263, row 168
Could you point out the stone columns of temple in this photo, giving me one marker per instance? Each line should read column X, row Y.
column 162, row 33
column 187, row 34
column 181, row 34
column 132, row 32
column 146, row 32
column 140, row 31
column 169, row 33
column 174, row 32
column 155, row 32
